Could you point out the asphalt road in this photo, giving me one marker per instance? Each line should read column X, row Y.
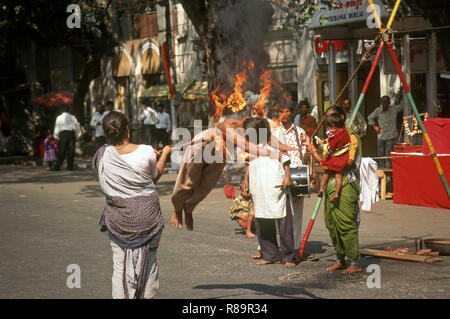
column 49, row 220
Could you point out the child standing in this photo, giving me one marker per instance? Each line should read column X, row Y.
column 50, row 150
column 241, row 210
column 336, row 149
column 268, row 179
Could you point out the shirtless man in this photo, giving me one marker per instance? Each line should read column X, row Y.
column 195, row 180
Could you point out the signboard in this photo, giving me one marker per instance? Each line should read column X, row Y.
column 346, row 12
column 321, row 49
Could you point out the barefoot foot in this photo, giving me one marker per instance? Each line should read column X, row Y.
column 258, row 255
column 352, row 269
column 267, row 262
column 336, row 266
column 249, row 234
column 289, row 264
column 177, row 219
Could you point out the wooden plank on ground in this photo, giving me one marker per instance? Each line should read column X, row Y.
column 394, row 255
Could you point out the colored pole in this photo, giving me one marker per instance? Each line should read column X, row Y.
column 366, row 84
column 394, row 12
column 308, row 230
column 419, row 121
column 377, row 17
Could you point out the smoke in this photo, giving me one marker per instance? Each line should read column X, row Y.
column 242, row 28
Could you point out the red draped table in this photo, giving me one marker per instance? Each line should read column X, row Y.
column 417, row 182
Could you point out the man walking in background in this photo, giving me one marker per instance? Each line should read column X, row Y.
column 97, row 126
column 149, row 117
column 163, row 127
column 67, row 131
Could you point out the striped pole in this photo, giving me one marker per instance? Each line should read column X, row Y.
column 308, row 230
column 366, row 84
column 419, row 121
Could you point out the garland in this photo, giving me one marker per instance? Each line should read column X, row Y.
column 415, row 126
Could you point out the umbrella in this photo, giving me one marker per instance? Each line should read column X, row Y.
column 53, row 99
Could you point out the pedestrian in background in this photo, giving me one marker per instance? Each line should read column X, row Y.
column 163, row 127
column 149, row 117
column 50, row 149
column 97, row 126
column 305, row 120
column 67, row 131
column 386, row 128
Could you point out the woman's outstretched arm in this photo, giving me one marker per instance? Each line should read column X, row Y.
column 162, row 162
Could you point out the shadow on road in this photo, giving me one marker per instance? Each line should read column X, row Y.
column 282, row 291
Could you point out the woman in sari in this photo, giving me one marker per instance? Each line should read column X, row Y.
column 342, row 217
column 132, row 217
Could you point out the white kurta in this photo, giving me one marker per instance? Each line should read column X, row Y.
column 264, row 174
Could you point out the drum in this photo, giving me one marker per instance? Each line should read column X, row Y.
column 300, row 181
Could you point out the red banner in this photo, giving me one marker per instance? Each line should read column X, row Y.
column 166, row 61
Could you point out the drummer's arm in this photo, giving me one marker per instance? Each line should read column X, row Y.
column 275, row 143
column 287, row 175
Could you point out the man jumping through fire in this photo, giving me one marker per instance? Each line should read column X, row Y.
column 198, row 174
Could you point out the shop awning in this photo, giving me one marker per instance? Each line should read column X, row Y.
column 189, row 90
column 198, row 91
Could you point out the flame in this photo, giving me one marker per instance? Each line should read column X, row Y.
column 264, row 94
column 276, row 121
column 251, row 65
column 219, row 105
column 236, row 100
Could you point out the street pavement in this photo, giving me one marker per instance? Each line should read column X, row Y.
column 49, row 220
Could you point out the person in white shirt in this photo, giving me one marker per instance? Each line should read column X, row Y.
column 386, row 128
column 268, row 180
column 67, row 131
column 97, row 126
column 149, row 117
column 163, row 127
column 294, row 135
